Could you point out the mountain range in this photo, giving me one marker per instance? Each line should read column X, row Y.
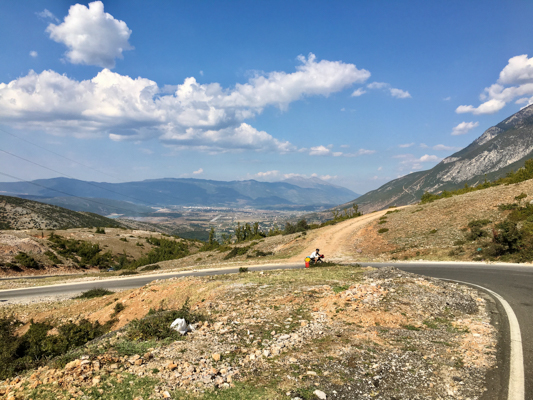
column 133, row 198
column 499, row 150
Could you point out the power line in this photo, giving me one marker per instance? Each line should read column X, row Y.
column 68, row 176
column 68, row 194
column 71, row 177
column 57, row 154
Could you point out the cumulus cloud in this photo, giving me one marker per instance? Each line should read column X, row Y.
column 358, row 92
column 33, row 53
column 276, row 175
column 92, row 36
column 46, row 14
column 464, row 127
column 206, row 117
column 515, row 80
column 412, row 163
column 319, row 151
column 441, row 147
column 429, row 158
column 394, row 92
column 198, row 172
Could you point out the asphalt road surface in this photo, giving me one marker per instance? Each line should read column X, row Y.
column 513, row 282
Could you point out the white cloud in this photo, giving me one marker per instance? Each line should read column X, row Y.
column 92, row 36
column 202, row 116
column 46, row 14
column 411, row 163
column 429, row 158
column 403, row 146
column 441, row 147
column 344, row 146
column 377, row 85
column 423, row 146
column 328, row 177
column 358, row 92
column 365, row 151
column 268, row 174
column 447, row 98
column 202, row 73
column 343, row 109
column 33, row 53
column 319, row 151
column 399, row 93
column 464, row 127
column 394, row 92
column 517, row 72
column 198, row 172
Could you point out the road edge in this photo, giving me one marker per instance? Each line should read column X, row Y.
column 516, row 390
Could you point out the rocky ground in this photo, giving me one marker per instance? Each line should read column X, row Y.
column 331, row 332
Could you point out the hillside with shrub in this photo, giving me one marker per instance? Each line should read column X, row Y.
column 17, row 213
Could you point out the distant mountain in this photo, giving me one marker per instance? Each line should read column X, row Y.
column 17, row 213
column 498, row 150
column 185, row 192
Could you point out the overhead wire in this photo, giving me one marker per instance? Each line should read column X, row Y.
column 57, row 154
column 86, row 166
column 68, row 194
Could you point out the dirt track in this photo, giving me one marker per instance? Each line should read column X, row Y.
column 336, row 241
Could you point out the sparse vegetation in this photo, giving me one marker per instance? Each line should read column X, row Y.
column 36, row 346
column 383, row 230
column 156, row 325
column 243, row 269
column 93, row 293
column 27, row 261
column 512, row 177
column 81, row 252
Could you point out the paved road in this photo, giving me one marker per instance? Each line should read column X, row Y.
column 127, row 282
column 512, row 281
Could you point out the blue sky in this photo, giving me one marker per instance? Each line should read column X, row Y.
column 357, row 93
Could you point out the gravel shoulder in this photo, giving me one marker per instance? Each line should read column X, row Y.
column 347, row 332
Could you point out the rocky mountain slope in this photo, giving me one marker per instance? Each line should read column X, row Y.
column 498, row 150
column 189, row 192
column 16, row 213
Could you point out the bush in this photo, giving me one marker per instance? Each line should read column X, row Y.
column 119, row 307
column 243, row 269
column 36, row 347
column 52, row 257
column 93, row 293
column 237, row 251
column 156, row 325
column 153, row 267
column 383, row 230
column 128, row 272
column 27, row 261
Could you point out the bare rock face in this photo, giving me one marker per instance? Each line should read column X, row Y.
column 498, row 150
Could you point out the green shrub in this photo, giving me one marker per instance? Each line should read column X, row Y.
column 156, row 325
column 243, row 269
column 27, row 261
column 119, row 307
column 164, row 250
column 93, row 293
column 52, row 257
column 123, row 239
column 128, row 272
column 237, row 251
column 81, row 252
column 432, row 232
column 36, row 347
column 383, row 230
column 153, row 267
column 100, row 231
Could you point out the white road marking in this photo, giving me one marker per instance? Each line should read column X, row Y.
column 516, row 371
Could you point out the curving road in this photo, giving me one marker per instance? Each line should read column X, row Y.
column 514, row 282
